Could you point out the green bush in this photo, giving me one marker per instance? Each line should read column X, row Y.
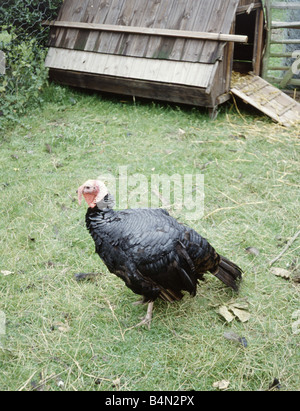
column 23, row 40
column 25, row 77
column 26, row 16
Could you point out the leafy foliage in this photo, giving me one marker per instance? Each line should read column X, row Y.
column 23, row 40
column 26, row 16
column 26, row 75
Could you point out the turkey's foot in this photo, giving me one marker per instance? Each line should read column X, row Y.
column 148, row 317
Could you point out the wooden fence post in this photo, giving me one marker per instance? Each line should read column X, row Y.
column 266, row 57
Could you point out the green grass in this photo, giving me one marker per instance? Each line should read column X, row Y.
column 65, row 335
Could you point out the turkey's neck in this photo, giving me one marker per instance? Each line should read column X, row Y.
column 94, row 216
column 107, row 203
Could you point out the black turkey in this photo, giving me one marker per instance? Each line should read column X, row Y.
column 155, row 255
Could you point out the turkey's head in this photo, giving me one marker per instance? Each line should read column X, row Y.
column 93, row 192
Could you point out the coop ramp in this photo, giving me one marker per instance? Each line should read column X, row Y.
column 266, row 98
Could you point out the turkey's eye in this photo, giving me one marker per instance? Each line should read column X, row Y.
column 88, row 187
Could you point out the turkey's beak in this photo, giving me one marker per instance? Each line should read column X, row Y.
column 79, row 192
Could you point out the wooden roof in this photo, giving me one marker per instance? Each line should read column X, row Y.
column 212, row 16
column 249, row 3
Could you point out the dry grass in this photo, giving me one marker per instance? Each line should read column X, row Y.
column 65, row 335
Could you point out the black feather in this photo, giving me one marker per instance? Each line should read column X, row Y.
column 229, row 273
column 154, row 254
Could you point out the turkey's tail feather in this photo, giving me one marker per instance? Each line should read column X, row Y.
column 229, row 273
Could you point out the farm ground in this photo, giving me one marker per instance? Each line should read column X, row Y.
column 65, row 335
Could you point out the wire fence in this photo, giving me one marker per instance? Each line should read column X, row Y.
column 23, row 42
column 25, row 17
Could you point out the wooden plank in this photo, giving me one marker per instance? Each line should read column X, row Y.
column 249, row 90
column 124, row 42
column 243, row 9
column 132, row 87
column 285, row 25
column 295, row 82
column 60, row 37
column 99, row 15
column 77, row 38
column 265, row 110
column 192, row 49
column 266, row 54
column 187, row 21
column 287, row 108
column 220, row 20
column 270, row 98
column 285, row 41
column 279, row 68
column 228, row 62
column 202, row 16
column 143, row 17
column 276, row 55
column 285, row 6
column 275, row 107
column 214, row 13
column 258, row 42
column 173, row 72
column 223, row 98
column 155, row 47
column 84, row 13
column 150, row 31
column 107, row 39
column 267, row 98
column 173, row 20
column 214, row 76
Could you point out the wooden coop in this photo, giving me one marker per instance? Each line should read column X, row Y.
column 181, row 51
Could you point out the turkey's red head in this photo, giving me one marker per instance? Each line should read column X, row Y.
column 93, row 192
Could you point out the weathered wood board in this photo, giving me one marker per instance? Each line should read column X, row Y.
column 266, row 98
column 132, row 87
column 213, row 16
column 164, row 71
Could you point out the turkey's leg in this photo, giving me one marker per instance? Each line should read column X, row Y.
column 147, row 319
column 143, row 301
